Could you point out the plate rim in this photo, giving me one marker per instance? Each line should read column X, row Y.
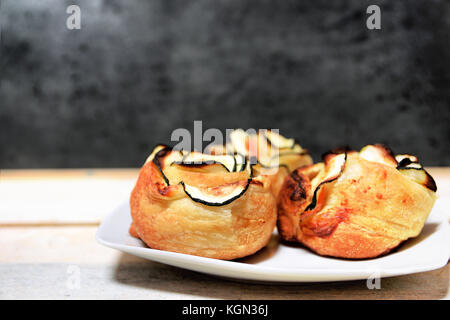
column 243, row 271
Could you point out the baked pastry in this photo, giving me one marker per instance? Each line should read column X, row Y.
column 200, row 204
column 271, row 154
column 356, row 204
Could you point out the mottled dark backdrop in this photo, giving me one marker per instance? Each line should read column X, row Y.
column 102, row 96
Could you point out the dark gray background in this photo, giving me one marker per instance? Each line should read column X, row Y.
column 102, row 96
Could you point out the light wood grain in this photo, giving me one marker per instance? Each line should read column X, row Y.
column 34, row 263
column 36, row 258
column 65, row 174
column 83, row 196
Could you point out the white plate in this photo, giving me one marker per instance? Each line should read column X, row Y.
column 279, row 262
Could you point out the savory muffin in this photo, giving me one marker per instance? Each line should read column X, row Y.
column 206, row 205
column 356, row 204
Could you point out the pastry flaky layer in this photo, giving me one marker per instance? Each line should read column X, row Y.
column 356, row 204
column 165, row 218
column 202, row 209
column 220, row 204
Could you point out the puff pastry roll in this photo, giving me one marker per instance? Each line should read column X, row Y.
column 356, row 204
column 206, row 205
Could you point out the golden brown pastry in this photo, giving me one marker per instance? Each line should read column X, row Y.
column 206, row 205
column 356, row 205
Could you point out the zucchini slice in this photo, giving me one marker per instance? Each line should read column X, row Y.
column 406, row 158
column 378, row 153
column 239, row 141
column 205, row 167
column 216, row 196
column 278, row 141
column 241, row 162
column 416, row 173
column 334, row 166
column 421, row 176
column 165, row 157
column 219, row 195
column 250, row 147
column 156, row 149
column 196, row 158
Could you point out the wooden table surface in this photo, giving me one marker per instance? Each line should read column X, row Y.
column 48, row 220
